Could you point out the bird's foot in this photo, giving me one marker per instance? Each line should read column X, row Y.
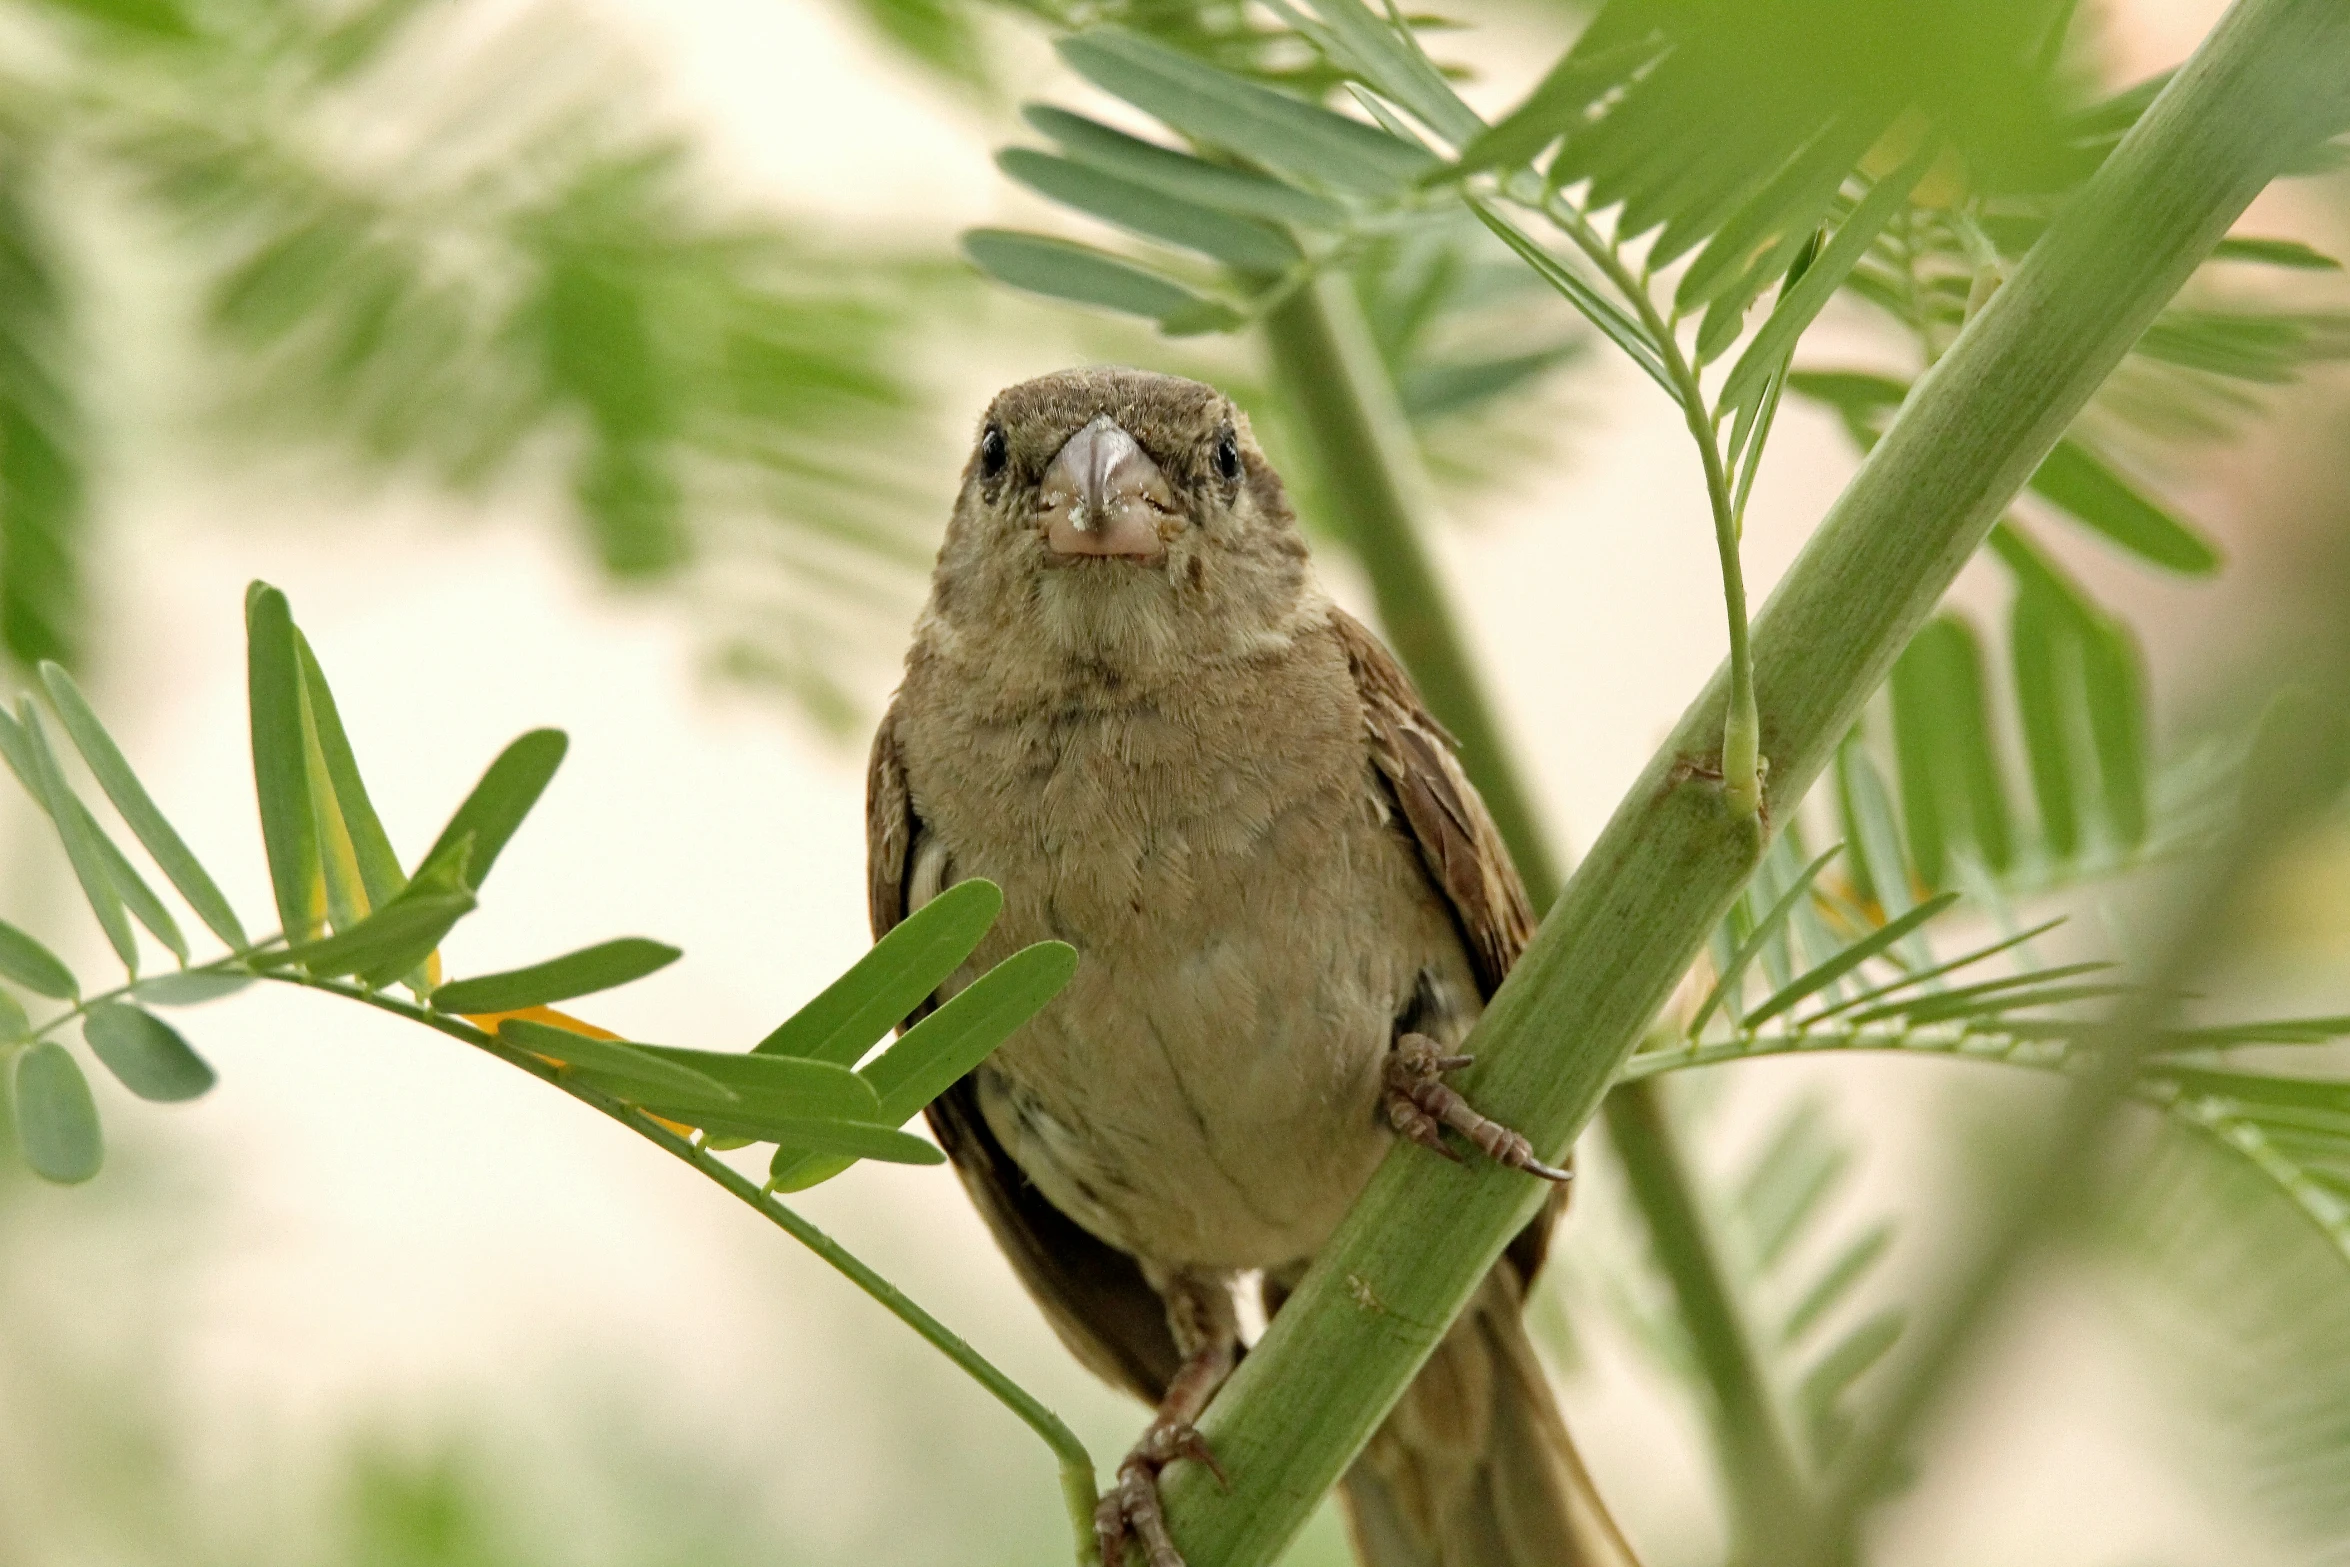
column 1130, row 1509
column 1420, row 1105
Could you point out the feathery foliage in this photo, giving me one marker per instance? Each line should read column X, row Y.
column 474, row 259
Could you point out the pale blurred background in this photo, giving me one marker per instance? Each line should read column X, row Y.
column 379, row 1300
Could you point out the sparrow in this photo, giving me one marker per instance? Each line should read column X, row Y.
column 1130, row 705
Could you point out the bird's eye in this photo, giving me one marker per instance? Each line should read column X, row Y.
column 993, row 453
column 1227, row 455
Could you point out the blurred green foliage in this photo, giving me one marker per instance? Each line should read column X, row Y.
column 426, row 252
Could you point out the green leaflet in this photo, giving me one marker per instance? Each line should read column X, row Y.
column 1795, row 1173
column 1387, row 55
column 1879, row 860
column 938, row 1051
column 760, row 1090
column 1436, row 390
column 1755, row 415
column 1240, row 243
column 1861, row 400
column 1820, row 1394
column 1982, row 998
column 2091, row 492
column 490, row 814
column 2265, row 347
column 56, row 1119
column 1769, row 352
column 281, row 781
column 1770, row 926
column 347, row 902
column 1582, row 76
column 373, row 860
column 2040, row 640
column 2274, row 253
column 885, row 986
column 625, row 1069
column 1595, row 307
column 1223, row 110
column 145, row 1053
column 2080, row 698
column 1836, row 1280
column 44, row 456
column 1242, row 192
column 189, row 987
column 1852, row 957
column 940, row 34
column 1754, row 243
column 1995, row 998
column 1060, row 269
column 846, row 1141
column 391, row 940
column 1782, row 864
column 85, row 845
column 580, row 973
column 2072, row 477
column 1953, row 799
column 158, row 18
column 34, row 966
column 139, row 811
column 1922, row 976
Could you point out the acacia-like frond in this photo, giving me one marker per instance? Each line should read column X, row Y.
column 482, row 258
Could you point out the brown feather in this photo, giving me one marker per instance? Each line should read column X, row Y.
column 1458, row 842
column 1457, row 839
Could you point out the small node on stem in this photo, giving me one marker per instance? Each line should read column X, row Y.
column 1078, row 1491
column 1742, row 762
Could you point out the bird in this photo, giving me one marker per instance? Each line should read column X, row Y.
column 1129, row 703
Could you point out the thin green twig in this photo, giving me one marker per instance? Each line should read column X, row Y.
column 1078, row 1486
column 1742, row 762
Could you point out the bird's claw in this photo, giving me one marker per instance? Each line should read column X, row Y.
column 1420, row 1105
column 1130, row 1510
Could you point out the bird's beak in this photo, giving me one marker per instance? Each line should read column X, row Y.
column 1104, row 496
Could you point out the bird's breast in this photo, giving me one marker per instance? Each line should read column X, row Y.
column 1249, row 926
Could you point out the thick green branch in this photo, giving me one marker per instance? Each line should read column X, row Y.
column 1369, row 462
column 2271, row 79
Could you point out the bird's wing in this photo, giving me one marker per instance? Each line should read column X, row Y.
column 1468, row 864
column 1093, row 1294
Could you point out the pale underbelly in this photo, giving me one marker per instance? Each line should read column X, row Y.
column 1216, row 1105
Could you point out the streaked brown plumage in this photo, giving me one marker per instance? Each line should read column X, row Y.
column 1130, row 705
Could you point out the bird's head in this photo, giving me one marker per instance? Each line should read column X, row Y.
column 1118, row 519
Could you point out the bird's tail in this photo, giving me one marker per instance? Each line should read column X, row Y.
column 1473, row 1467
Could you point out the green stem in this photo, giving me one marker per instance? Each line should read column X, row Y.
column 1742, row 765
column 227, row 963
column 2270, row 82
column 1078, row 1486
column 1368, row 457
column 1767, row 1487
